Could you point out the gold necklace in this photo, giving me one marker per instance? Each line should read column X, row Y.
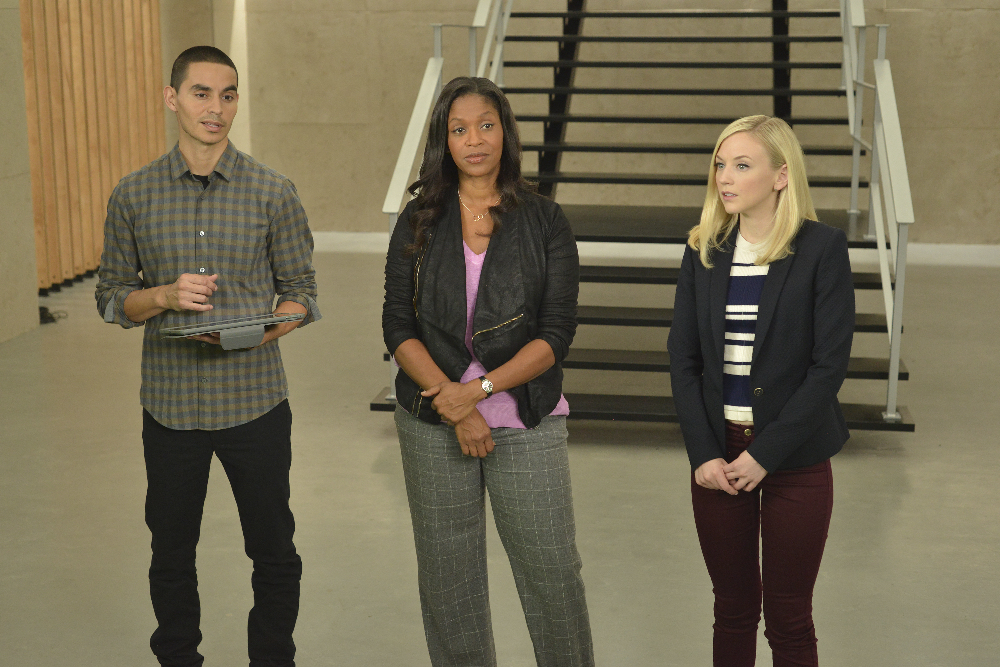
column 475, row 218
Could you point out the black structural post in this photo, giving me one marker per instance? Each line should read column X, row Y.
column 781, row 55
column 555, row 128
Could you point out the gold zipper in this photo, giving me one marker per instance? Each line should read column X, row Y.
column 499, row 325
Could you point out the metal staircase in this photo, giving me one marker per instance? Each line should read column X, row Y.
column 582, row 149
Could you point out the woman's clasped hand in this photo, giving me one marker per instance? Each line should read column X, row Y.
column 456, row 403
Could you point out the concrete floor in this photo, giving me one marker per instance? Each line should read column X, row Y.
column 910, row 575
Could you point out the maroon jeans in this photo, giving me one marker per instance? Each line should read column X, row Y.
column 788, row 517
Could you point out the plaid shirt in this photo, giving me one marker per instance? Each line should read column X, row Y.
column 249, row 227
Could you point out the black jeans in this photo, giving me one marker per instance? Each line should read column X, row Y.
column 256, row 457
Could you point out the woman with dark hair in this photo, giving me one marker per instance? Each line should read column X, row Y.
column 481, row 285
column 759, row 346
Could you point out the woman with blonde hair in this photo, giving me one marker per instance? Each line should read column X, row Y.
column 759, row 347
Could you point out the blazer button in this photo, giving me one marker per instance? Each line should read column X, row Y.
column 758, row 391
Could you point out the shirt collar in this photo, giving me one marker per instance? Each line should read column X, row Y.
column 225, row 167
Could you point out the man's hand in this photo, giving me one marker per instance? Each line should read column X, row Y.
column 190, row 292
column 744, row 473
column 474, row 435
column 711, row 475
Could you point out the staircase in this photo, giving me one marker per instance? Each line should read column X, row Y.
column 625, row 107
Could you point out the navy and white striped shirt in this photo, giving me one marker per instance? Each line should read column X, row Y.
column 746, row 281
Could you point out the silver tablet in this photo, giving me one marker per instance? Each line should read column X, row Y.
column 222, row 325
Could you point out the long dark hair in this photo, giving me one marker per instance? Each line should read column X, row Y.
column 438, row 173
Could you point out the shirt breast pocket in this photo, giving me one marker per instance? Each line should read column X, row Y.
column 239, row 248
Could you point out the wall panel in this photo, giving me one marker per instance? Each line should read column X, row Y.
column 94, row 114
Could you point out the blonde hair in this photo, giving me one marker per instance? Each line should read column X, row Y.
column 794, row 201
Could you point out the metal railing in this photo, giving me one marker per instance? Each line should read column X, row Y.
column 491, row 15
column 889, row 182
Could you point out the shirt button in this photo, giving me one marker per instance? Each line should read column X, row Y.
column 204, row 344
column 201, row 270
column 204, row 380
column 758, row 391
column 748, row 432
column 202, row 233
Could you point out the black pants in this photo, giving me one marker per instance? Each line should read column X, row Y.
column 256, row 457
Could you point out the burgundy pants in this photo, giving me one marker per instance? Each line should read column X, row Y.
column 787, row 516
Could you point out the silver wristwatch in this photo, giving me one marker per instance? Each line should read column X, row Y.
column 487, row 386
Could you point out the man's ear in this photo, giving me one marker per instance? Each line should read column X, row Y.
column 170, row 98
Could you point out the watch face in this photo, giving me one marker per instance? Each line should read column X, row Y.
column 487, row 386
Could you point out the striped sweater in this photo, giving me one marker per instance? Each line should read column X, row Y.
column 746, row 281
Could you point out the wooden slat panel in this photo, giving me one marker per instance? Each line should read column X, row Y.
column 125, row 86
column 34, row 142
column 94, row 217
column 137, row 121
column 72, row 192
column 81, row 204
column 57, row 105
column 93, row 101
column 151, row 58
column 113, row 92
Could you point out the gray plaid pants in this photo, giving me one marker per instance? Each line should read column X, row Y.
column 527, row 476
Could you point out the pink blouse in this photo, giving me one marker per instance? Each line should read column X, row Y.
column 500, row 409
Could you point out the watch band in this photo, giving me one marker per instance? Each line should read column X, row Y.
column 487, row 386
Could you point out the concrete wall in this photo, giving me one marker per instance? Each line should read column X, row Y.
column 19, row 296
column 943, row 57
column 183, row 24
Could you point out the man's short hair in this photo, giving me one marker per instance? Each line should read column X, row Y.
column 197, row 54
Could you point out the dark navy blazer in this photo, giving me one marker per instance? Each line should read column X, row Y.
column 805, row 325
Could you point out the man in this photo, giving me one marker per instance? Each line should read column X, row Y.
column 207, row 233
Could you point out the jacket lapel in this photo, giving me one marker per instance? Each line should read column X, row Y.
column 722, row 261
column 501, row 287
column 773, row 282
column 442, row 294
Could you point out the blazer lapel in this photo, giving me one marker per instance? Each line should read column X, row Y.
column 775, row 280
column 719, row 292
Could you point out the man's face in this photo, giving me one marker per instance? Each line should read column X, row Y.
column 205, row 105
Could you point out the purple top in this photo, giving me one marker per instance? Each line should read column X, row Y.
column 500, row 409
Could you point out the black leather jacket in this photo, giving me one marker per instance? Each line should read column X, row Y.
column 528, row 290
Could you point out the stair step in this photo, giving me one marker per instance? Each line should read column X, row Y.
column 605, row 223
column 654, row 64
column 663, row 317
column 685, row 149
column 666, row 179
column 678, row 14
column 658, row 275
column 658, row 361
column 674, row 120
column 607, row 407
column 661, row 409
column 741, row 92
column 678, row 39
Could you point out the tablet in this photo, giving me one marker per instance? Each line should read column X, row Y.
column 222, row 325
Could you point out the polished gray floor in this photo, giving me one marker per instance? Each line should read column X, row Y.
column 911, row 574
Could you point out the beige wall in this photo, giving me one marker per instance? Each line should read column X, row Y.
column 332, row 83
column 944, row 71
column 183, row 24
column 19, row 296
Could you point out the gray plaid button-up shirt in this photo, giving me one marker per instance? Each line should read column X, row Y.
column 249, row 227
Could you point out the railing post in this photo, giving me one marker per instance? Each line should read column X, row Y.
column 472, row 51
column 859, row 75
column 393, row 369
column 781, row 52
column 891, row 413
